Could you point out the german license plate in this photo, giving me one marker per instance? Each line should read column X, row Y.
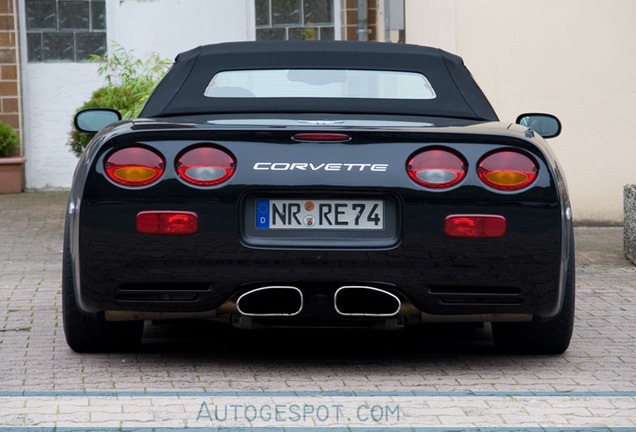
column 320, row 214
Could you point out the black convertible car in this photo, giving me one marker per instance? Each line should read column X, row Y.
column 338, row 184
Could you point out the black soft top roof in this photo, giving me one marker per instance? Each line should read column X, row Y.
column 181, row 92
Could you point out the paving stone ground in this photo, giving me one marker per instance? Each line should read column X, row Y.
column 209, row 358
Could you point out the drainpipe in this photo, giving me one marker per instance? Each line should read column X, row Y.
column 363, row 30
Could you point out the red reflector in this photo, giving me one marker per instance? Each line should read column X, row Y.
column 318, row 137
column 475, row 226
column 167, row 222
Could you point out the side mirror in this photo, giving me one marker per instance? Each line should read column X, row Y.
column 546, row 125
column 93, row 120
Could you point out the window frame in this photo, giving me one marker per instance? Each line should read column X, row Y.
column 346, row 83
column 35, row 38
column 335, row 24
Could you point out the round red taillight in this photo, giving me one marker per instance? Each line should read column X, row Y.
column 205, row 166
column 436, row 168
column 507, row 170
column 134, row 166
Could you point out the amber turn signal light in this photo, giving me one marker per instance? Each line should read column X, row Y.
column 507, row 170
column 134, row 166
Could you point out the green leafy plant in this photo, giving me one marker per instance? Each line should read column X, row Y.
column 8, row 140
column 129, row 83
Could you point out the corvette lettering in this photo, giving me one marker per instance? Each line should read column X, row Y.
column 310, row 166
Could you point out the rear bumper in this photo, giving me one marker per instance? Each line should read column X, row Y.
column 122, row 270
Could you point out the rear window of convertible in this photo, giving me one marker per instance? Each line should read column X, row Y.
column 319, row 83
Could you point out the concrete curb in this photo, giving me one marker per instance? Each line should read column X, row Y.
column 629, row 196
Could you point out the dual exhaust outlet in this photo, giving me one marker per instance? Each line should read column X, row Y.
column 349, row 301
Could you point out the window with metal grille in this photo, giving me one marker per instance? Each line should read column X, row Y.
column 294, row 19
column 65, row 30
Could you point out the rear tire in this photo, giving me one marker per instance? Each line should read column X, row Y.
column 542, row 337
column 86, row 333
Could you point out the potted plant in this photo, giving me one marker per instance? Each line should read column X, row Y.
column 11, row 164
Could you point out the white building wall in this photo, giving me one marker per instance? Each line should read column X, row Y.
column 573, row 58
column 431, row 23
column 172, row 26
column 52, row 92
column 576, row 59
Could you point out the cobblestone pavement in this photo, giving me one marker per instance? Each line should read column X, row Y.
column 205, row 357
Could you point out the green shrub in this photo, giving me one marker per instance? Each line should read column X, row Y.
column 8, row 140
column 129, row 82
column 129, row 103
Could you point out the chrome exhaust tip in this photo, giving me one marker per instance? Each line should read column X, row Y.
column 271, row 301
column 363, row 301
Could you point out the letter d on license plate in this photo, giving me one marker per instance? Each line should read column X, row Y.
column 320, row 214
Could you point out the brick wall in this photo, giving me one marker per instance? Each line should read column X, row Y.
column 350, row 20
column 10, row 103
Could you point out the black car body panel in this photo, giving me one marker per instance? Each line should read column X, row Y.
column 118, row 269
column 530, row 250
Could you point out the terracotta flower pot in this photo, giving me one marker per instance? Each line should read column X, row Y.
column 12, row 174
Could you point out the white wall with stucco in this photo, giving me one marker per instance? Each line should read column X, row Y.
column 52, row 92
column 573, row 58
column 172, row 26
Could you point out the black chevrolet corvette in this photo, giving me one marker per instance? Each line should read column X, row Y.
column 331, row 184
